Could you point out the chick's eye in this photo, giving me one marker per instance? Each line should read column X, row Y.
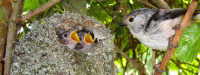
column 65, row 35
column 131, row 19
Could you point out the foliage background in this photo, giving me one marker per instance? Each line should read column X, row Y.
column 111, row 12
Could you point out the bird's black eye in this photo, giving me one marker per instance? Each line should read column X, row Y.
column 65, row 35
column 130, row 19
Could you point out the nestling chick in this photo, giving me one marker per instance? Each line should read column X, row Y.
column 69, row 38
column 154, row 27
column 87, row 40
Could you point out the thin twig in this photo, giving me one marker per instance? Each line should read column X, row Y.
column 135, row 64
column 183, row 63
column 184, row 23
column 161, row 4
column 104, row 8
column 130, row 4
column 178, row 66
column 38, row 10
column 122, row 6
column 164, row 4
column 21, row 6
column 188, row 64
column 112, row 64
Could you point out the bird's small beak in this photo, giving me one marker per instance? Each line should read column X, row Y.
column 122, row 24
column 74, row 36
column 88, row 39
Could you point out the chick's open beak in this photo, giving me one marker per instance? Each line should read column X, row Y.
column 88, row 39
column 122, row 24
column 74, row 36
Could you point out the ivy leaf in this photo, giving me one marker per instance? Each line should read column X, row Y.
column 189, row 45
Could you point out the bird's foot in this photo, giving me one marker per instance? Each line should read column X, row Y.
column 171, row 44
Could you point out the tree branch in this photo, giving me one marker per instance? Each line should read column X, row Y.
column 135, row 64
column 38, row 10
column 3, row 30
column 10, row 38
column 184, row 23
column 5, row 9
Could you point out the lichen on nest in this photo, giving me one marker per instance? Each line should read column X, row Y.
column 40, row 52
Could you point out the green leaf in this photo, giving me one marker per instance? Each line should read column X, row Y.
column 189, row 45
column 172, row 66
column 143, row 48
column 119, row 66
column 33, row 4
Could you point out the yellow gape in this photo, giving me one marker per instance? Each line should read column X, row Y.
column 88, row 39
column 74, row 36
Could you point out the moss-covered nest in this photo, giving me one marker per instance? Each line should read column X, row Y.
column 41, row 52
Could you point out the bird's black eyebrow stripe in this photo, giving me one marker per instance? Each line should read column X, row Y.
column 155, row 15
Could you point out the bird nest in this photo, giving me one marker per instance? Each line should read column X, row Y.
column 42, row 51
